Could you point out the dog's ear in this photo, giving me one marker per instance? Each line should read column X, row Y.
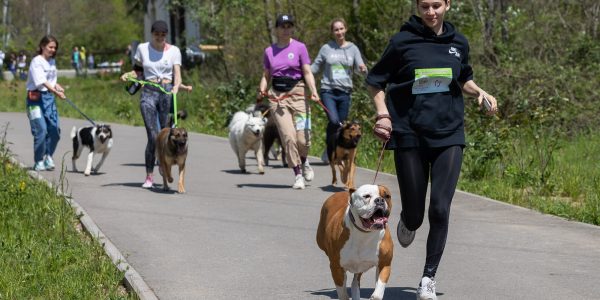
column 264, row 120
column 351, row 191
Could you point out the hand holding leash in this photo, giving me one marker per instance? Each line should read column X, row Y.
column 383, row 127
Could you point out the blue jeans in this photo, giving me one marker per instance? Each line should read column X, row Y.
column 43, row 119
column 338, row 104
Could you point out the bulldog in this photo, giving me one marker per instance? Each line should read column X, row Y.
column 353, row 233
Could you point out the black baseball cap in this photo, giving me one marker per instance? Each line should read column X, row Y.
column 282, row 19
column 160, row 26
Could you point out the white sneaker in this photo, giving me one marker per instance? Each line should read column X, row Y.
column 307, row 171
column 405, row 236
column 49, row 163
column 39, row 166
column 426, row 290
column 299, row 183
column 149, row 183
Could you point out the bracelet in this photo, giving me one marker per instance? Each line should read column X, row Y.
column 383, row 116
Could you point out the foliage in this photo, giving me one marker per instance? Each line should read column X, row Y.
column 42, row 253
column 104, row 28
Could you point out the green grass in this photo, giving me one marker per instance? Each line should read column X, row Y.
column 43, row 253
column 539, row 171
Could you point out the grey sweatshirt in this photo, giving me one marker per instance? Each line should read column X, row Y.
column 339, row 63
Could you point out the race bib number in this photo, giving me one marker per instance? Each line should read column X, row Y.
column 432, row 80
column 34, row 112
column 302, row 121
column 338, row 72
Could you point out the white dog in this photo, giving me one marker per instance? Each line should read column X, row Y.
column 246, row 133
column 98, row 139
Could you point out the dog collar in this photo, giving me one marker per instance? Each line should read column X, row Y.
column 353, row 221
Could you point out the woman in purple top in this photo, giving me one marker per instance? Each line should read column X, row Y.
column 287, row 69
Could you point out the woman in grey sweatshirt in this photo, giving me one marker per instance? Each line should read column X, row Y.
column 339, row 58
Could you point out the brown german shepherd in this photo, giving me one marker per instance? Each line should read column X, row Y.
column 341, row 151
column 171, row 149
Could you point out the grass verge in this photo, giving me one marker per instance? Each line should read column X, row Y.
column 43, row 252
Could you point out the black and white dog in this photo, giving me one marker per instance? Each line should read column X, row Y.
column 97, row 138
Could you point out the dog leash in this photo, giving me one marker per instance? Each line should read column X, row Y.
column 160, row 88
column 77, row 109
column 277, row 99
column 380, row 160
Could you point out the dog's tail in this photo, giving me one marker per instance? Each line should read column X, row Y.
column 73, row 132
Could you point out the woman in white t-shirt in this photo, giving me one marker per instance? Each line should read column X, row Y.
column 41, row 106
column 159, row 62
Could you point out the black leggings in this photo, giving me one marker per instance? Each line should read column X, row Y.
column 155, row 107
column 414, row 167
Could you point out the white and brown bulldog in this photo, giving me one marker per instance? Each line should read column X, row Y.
column 353, row 232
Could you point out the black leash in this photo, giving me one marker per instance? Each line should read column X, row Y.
column 77, row 109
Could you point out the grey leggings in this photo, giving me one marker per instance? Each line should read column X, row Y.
column 155, row 107
column 414, row 167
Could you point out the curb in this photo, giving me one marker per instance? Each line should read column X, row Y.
column 133, row 280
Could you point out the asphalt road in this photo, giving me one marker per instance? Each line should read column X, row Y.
column 251, row 236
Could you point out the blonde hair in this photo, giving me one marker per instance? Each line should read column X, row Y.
column 341, row 20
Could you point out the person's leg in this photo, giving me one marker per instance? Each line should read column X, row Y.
column 165, row 107
column 52, row 123
column 287, row 131
column 445, row 170
column 38, row 130
column 328, row 98
column 149, row 108
column 343, row 102
column 412, row 172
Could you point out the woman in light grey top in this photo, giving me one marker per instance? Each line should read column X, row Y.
column 339, row 59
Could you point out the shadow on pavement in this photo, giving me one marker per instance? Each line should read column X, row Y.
column 400, row 293
column 264, row 186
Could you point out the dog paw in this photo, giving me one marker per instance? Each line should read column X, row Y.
column 243, row 171
column 181, row 190
column 87, row 173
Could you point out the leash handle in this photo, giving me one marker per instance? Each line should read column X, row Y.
column 158, row 86
column 144, row 82
column 175, row 110
column 380, row 160
column 77, row 109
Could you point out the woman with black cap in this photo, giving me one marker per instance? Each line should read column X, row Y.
column 287, row 68
column 160, row 63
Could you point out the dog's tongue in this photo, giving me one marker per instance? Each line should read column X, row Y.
column 377, row 222
column 380, row 220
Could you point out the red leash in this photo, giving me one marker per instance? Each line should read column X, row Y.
column 380, row 160
column 277, row 99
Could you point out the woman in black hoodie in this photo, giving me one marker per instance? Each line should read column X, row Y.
column 417, row 87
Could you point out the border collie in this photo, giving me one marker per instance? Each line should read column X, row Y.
column 97, row 138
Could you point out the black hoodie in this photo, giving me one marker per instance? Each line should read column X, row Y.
column 428, row 112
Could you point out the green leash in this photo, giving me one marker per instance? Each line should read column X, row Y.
column 156, row 85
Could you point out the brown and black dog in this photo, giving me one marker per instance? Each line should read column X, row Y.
column 171, row 149
column 341, row 151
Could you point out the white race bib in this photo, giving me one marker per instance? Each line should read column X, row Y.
column 302, row 121
column 34, row 112
column 338, row 72
column 434, row 80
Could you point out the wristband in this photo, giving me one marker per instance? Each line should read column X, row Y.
column 383, row 116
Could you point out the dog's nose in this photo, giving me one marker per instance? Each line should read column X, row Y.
column 379, row 201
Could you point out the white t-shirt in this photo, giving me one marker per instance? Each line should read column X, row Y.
column 157, row 64
column 40, row 71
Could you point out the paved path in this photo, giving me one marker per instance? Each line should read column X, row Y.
column 251, row 236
